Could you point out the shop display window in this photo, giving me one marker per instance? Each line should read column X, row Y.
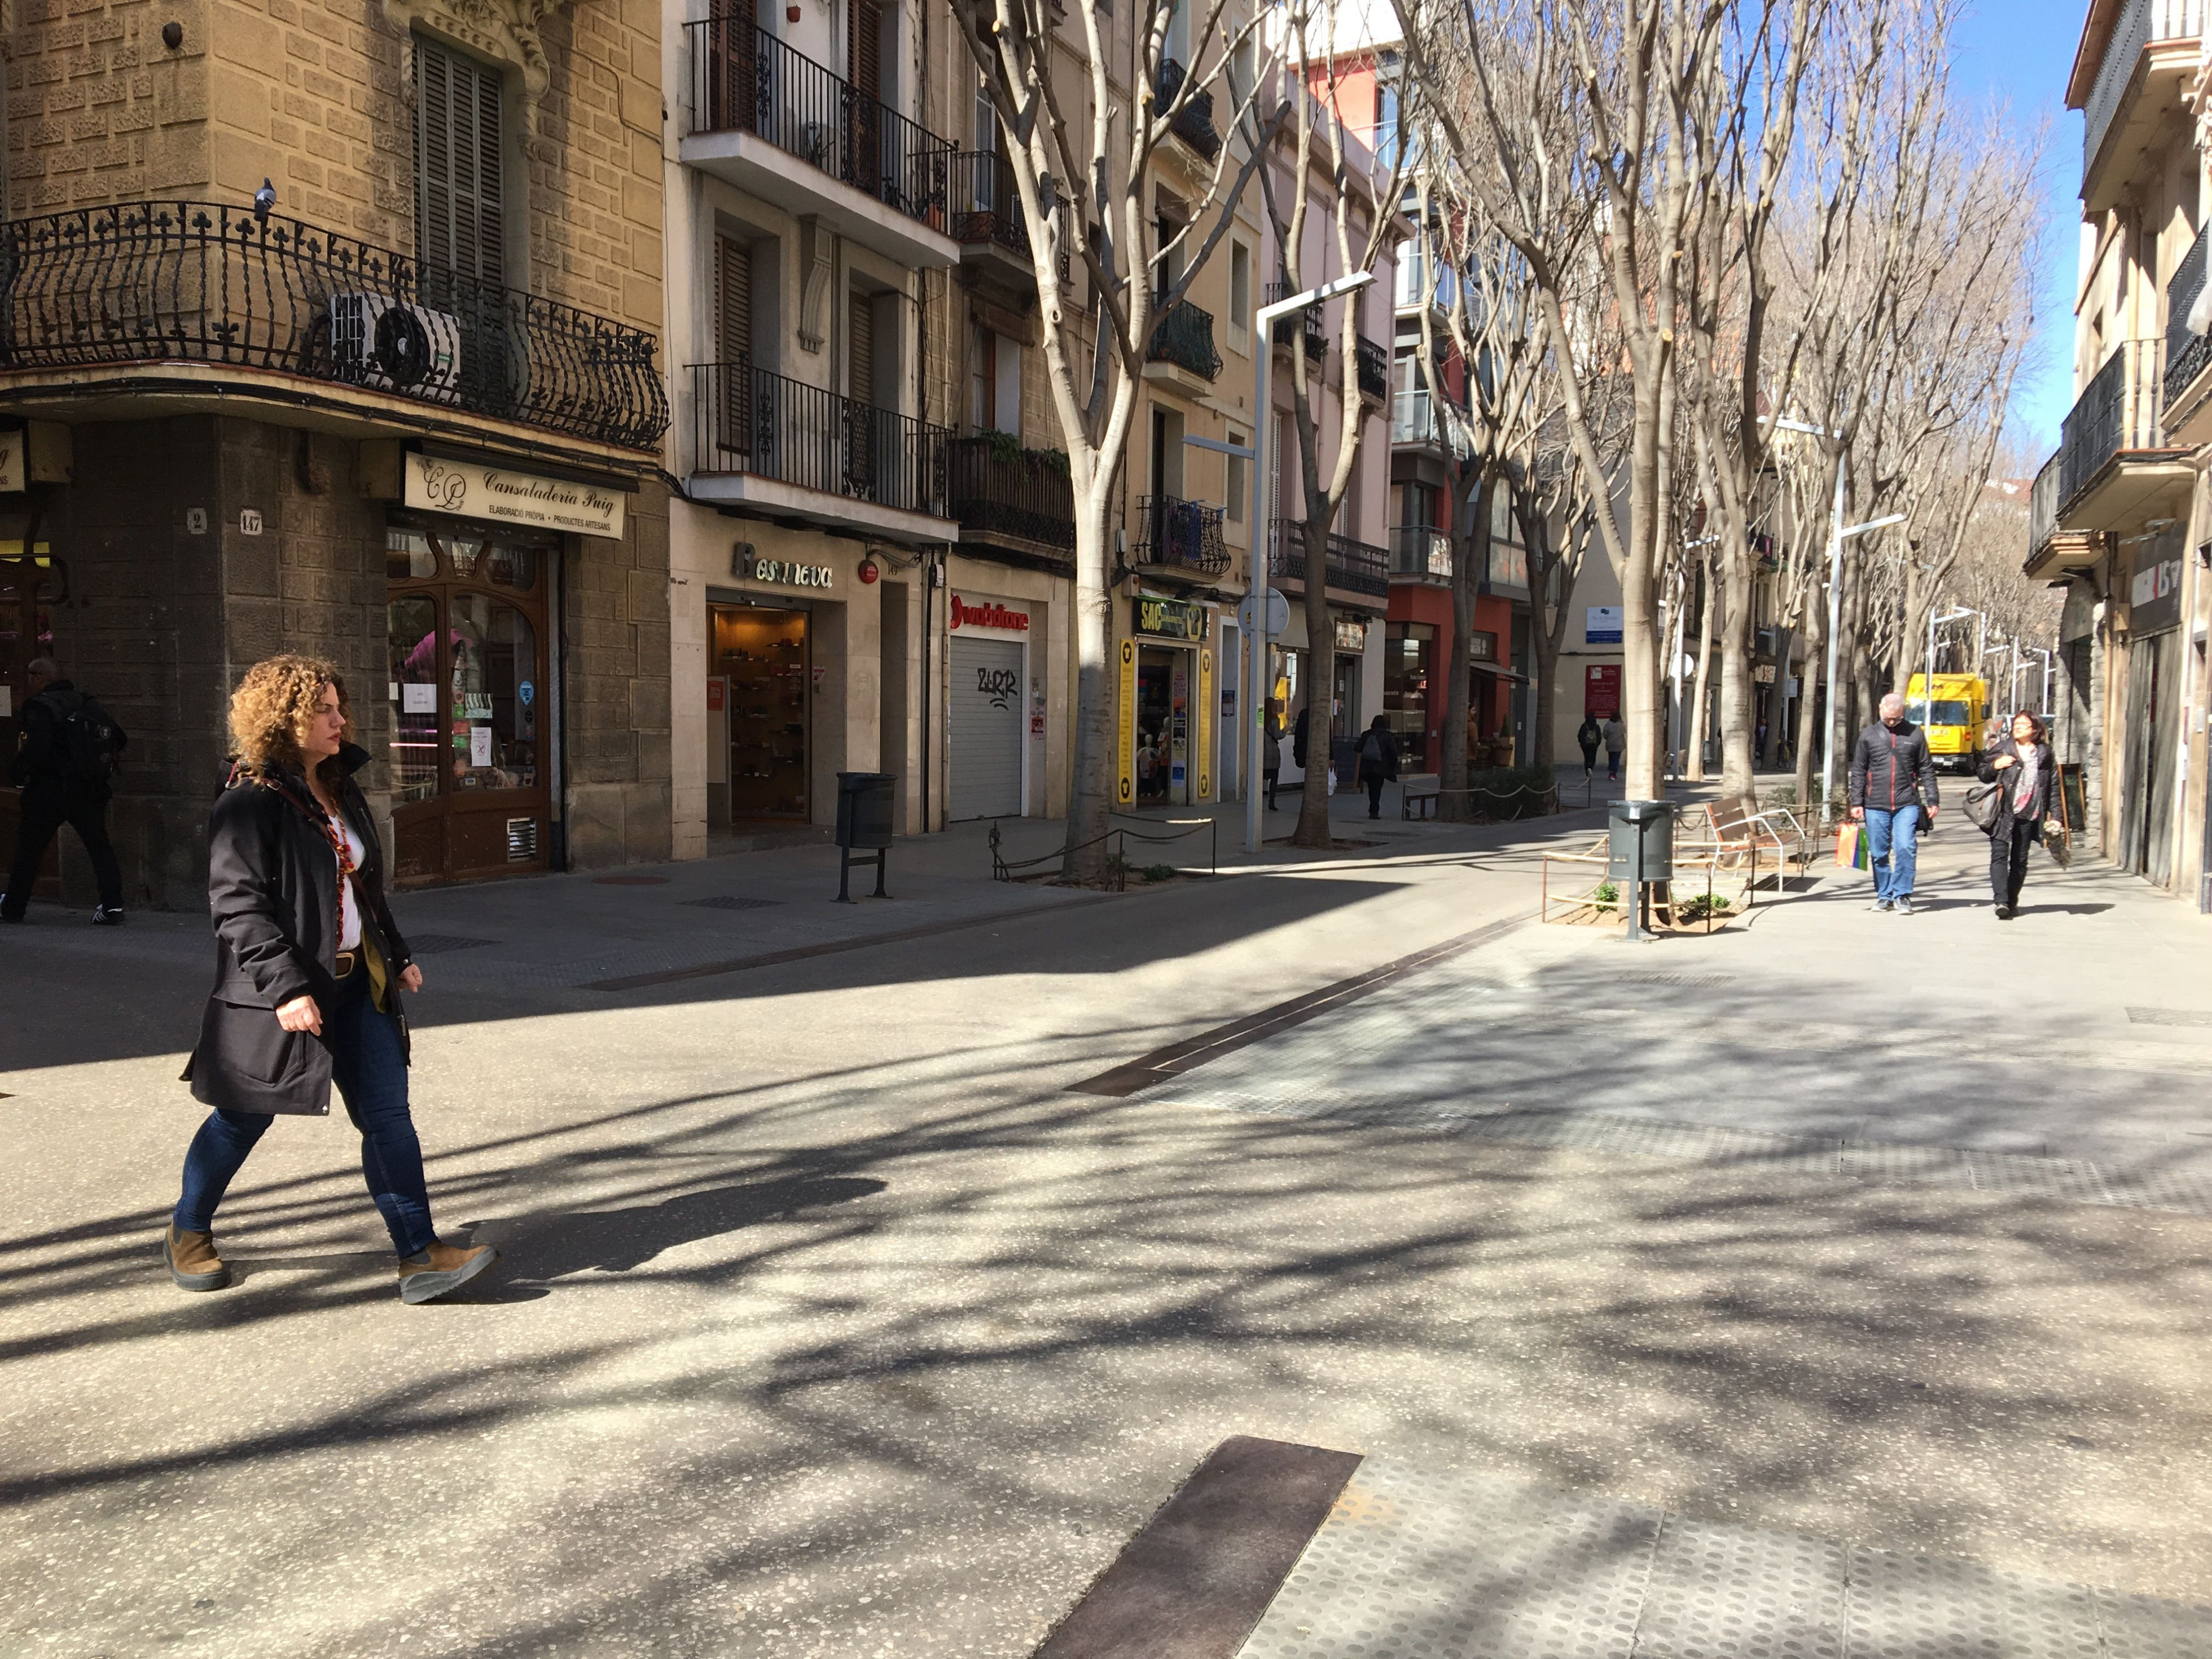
column 762, row 654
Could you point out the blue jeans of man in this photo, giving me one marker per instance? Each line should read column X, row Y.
column 369, row 1066
column 1893, row 845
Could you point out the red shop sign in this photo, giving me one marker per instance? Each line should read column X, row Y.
column 989, row 614
column 1602, row 690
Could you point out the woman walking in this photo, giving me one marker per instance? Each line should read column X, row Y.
column 1588, row 735
column 309, row 966
column 1378, row 761
column 2020, row 765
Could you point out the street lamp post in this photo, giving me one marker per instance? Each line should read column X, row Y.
column 1263, row 418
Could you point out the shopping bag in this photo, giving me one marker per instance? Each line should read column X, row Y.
column 1851, row 847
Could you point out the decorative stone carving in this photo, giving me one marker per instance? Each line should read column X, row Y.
column 505, row 31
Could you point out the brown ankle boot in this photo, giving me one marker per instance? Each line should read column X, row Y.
column 442, row 1268
column 192, row 1260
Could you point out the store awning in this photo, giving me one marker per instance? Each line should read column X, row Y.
column 1493, row 670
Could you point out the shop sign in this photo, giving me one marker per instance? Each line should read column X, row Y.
column 473, row 491
column 1170, row 619
column 1601, row 624
column 13, row 469
column 1351, row 634
column 1602, row 690
column 1763, row 673
column 2155, row 592
column 1481, row 646
column 750, row 567
column 989, row 614
column 1126, row 787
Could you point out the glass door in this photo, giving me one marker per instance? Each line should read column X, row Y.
column 470, row 771
column 761, row 653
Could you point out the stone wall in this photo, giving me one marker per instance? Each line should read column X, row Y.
column 615, row 667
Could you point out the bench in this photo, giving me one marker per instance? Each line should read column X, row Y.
column 1421, row 789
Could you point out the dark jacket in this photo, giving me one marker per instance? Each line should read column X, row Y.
column 2046, row 778
column 1890, row 770
column 42, row 760
column 1589, row 734
column 1378, row 754
column 273, row 890
column 1298, row 741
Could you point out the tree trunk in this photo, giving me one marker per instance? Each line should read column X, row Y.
column 1776, row 701
column 1451, row 765
column 1096, row 775
column 1694, row 736
column 1321, row 687
column 1546, row 629
column 1640, row 646
column 1809, row 694
column 1737, row 783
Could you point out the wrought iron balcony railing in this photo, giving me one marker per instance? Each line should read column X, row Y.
column 198, row 281
column 2118, row 411
column 1419, row 550
column 746, row 80
column 1354, row 567
column 1025, row 495
column 2187, row 353
column 750, row 420
column 1193, row 121
column 2043, row 505
column 2140, row 25
column 986, row 205
column 1308, row 321
column 1184, row 337
column 1374, row 371
column 1184, row 534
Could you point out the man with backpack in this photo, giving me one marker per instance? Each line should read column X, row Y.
column 65, row 766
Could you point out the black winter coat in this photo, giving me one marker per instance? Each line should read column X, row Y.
column 1383, row 762
column 273, row 890
column 1890, row 770
column 41, row 762
column 2047, row 779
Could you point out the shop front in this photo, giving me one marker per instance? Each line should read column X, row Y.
column 987, row 707
column 2154, row 696
column 1168, row 715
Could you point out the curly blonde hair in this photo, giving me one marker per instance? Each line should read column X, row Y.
column 271, row 709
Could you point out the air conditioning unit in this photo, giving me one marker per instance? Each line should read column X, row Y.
column 377, row 341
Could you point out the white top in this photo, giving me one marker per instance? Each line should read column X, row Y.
column 350, row 899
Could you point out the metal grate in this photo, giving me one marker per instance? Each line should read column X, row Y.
column 2190, row 1017
column 431, row 945
column 731, row 902
column 521, row 840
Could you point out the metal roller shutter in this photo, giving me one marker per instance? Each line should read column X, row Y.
column 986, row 712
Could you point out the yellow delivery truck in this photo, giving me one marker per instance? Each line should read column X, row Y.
column 1953, row 721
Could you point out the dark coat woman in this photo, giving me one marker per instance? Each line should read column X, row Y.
column 1378, row 761
column 309, row 966
column 2022, row 768
column 1588, row 735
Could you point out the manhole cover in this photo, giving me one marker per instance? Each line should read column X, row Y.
column 430, row 945
column 731, row 902
column 629, row 881
column 2168, row 1017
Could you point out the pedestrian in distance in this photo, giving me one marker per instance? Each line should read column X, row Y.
column 1378, row 761
column 1616, row 740
column 1271, row 750
column 309, row 966
column 1893, row 789
column 1759, row 752
column 1299, row 740
column 2020, row 765
column 65, row 767
column 1589, row 735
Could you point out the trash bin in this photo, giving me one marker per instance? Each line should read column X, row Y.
column 1640, row 841
column 863, row 824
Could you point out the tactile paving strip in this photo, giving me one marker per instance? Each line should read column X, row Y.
column 1723, row 1592
column 1922, row 1606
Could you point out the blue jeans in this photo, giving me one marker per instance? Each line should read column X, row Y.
column 1900, row 830
column 370, row 1069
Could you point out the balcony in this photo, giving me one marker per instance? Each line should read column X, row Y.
column 1374, row 371
column 1016, row 498
column 1353, row 567
column 1183, row 339
column 1420, row 551
column 1418, row 421
column 793, row 450
column 2146, row 63
column 2187, row 353
column 1182, row 536
column 779, row 125
column 2115, row 464
column 1193, row 121
column 278, row 302
column 1287, row 328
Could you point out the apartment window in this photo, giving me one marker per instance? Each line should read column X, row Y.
column 460, row 202
column 1238, row 484
column 733, row 301
column 860, row 348
column 1240, row 286
column 983, row 378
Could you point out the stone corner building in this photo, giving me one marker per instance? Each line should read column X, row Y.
column 407, row 419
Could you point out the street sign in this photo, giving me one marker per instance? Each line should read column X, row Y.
column 1278, row 614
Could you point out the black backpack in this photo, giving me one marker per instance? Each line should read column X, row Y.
column 89, row 737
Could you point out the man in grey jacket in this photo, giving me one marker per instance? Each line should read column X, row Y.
column 1893, row 788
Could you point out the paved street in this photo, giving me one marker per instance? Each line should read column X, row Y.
column 837, row 1318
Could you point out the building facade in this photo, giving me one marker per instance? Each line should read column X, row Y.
column 404, row 411
column 2121, row 516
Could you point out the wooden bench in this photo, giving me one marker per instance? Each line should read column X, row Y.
column 1418, row 788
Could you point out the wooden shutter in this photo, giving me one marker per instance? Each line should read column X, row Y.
column 459, row 187
column 863, row 40
column 860, row 349
column 734, row 301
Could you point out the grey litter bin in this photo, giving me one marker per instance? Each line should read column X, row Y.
column 1640, row 849
column 864, row 825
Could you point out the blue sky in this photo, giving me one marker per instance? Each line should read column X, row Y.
column 2020, row 52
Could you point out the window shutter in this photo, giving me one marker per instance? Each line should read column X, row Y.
column 864, row 38
column 459, row 189
column 734, row 301
column 860, row 349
